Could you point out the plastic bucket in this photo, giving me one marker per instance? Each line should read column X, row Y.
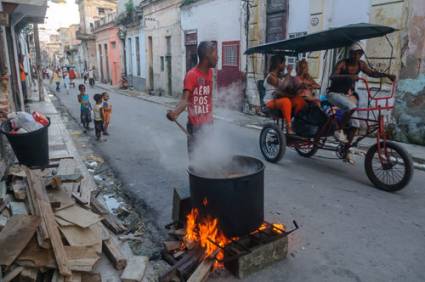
column 32, row 148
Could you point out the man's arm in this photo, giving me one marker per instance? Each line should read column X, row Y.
column 372, row 73
column 181, row 106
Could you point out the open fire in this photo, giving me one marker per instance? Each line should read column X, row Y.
column 206, row 232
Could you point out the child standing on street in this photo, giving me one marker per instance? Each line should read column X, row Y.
column 107, row 112
column 85, row 107
column 98, row 116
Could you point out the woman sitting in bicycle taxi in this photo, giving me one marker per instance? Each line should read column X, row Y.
column 287, row 93
column 342, row 93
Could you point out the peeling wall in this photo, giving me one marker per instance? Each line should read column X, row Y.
column 410, row 100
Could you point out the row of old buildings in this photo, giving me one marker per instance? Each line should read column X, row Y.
column 153, row 43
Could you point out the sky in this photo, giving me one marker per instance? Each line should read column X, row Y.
column 59, row 15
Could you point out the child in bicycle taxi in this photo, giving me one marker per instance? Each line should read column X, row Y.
column 341, row 92
column 281, row 93
column 305, row 83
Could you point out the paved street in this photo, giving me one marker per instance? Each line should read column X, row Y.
column 349, row 230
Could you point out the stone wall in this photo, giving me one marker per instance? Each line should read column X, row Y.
column 410, row 101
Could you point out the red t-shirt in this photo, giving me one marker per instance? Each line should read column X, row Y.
column 200, row 86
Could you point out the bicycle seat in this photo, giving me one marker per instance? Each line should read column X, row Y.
column 271, row 113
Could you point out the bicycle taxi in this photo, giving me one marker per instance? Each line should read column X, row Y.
column 388, row 166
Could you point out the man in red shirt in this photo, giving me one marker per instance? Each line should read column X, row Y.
column 197, row 94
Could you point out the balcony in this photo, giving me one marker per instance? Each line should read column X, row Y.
column 84, row 36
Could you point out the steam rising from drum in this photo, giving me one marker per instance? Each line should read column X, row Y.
column 214, row 150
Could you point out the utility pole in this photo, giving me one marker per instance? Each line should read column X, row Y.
column 38, row 63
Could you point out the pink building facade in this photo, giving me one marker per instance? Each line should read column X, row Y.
column 108, row 53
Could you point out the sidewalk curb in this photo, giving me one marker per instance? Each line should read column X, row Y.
column 418, row 163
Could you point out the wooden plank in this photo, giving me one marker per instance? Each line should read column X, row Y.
column 3, row 221
column 82, row 258
column 61, row 197
column 172, row 245
column 12, row 274
column 77, row 236
column 79, row 216
column 202, row 271
column 68, row 166
column 28, row 275
column 35, row 256
column 114, row 254
column 91, row 277
column 109, row 220
column 15, row 236
column 79, row 200
column 49, row 218
column 135, row 269
column 3, row 191
column 33, row 203
column 18, row 208
column 63, row 222
column 19, row 188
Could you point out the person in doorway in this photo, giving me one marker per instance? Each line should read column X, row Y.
column 197, row 95
column 305, row 83
column 342, row 94
column 107, row 112
column 23, row 77
column 85, row 107
column 98, row 116
column 281, row 94
column 91, row 77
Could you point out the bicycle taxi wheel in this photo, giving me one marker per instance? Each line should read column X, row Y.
column 272, row 142
column 389, row 167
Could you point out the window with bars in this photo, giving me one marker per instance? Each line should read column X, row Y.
column 230, row 54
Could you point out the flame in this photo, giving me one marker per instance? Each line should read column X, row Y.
column 205, row 231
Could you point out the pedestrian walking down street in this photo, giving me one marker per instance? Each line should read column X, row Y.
column 72, row 77
column 91, row 77
column 197, row 95
column 85, row 107
column 56, row 79
column 66, row 81
column 107, row 112
column 85, row 76
column 98, row 116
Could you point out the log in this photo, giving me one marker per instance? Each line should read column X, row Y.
column 47, row 215
column 135, row 269
column 179, row 232
column 190, row 258
column 204, row 268
column 15, row 236
column 114, row 254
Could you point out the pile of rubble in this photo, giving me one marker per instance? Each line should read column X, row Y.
column 54, row 228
